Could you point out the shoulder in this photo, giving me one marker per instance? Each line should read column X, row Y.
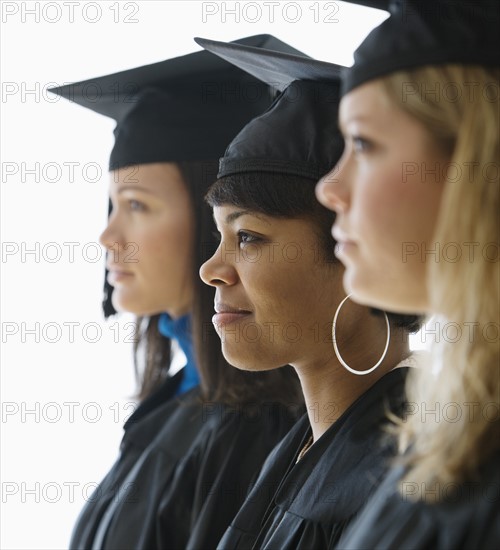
column 262, row 424
column 456, row 515
column 142, row 429
column 235, row 431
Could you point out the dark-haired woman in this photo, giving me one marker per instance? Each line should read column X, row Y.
column 277, row 293
column 199, row 436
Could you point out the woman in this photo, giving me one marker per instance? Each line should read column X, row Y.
column 198, row 437
column 278, row 287
column 425, row 182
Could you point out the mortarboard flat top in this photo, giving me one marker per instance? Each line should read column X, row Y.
column 275, row 68
column 298, row 135
column 114, row 94
column 181, row 109
column 428, row 32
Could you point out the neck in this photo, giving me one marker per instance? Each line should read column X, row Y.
column 329, row 389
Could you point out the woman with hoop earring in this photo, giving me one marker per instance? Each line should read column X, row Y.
column 278, row 288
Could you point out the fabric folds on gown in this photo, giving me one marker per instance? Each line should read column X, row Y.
column 309, row 504
column 468, row 516
column 183, row 471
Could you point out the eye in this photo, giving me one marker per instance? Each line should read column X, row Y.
column 136, row 206
column 360, row 144
column 247, row 238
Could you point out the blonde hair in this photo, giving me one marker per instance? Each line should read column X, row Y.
column 464, row 383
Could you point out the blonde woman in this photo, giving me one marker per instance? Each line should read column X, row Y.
column 416, row 194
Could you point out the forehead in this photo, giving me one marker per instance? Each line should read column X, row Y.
column 366, row 103
column 157, row 178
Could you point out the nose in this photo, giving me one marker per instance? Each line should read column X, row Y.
column 110, row 237
column 332, row 190
column 217, row 271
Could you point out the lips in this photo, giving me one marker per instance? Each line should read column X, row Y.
column 226, row 314
column 340, row 236
column 343, row 248
column 117, row 275
column 117, row 267
column 344, row 243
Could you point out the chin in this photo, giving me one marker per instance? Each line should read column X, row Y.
column 247, row 363
column 359, row 291
column 384, row 297
column 129, row 305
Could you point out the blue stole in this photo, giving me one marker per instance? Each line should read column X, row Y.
column 180, row 330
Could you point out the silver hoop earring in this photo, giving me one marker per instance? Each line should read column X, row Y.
column 336, row 349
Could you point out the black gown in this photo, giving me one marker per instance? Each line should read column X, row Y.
column 183, row 471
column 307, row 505
column 467, row 518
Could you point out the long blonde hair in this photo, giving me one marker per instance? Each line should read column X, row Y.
column 459, row 107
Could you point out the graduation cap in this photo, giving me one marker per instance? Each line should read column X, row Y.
column 298, row 134
column 428, row 32
column 181, row 109
column 186, row 108
column 275, row 68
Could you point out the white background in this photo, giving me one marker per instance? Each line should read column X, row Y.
column 54, row 445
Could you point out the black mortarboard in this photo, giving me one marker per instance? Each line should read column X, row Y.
column 186, row 108
column 276, row 68
column 181, row 109
column 428, row 32
column 298, row 134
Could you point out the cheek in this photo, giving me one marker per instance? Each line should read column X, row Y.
column 381, row 224
column 397, row 205
column 259, row 280
column 168, row 241
column 283, row 291
column 262, row 284
column 391, row 220
column 376, row 206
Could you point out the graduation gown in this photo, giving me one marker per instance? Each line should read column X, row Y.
column 308, row 504
column 183, row 471
column 468, row 517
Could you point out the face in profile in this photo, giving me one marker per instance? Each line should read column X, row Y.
column 149, row 240
column 386, row 191
column 274, row 292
